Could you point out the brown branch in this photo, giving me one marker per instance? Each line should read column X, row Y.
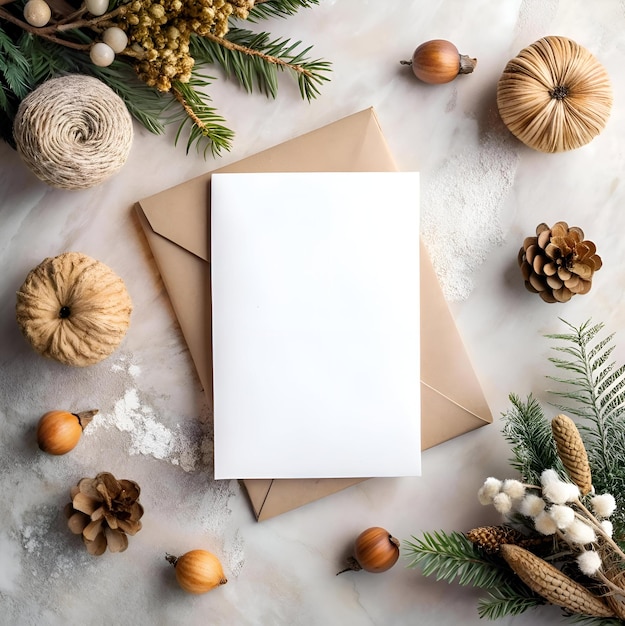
column 94, row 21
column 4, row 14
column 187, row 109
column 251, row 52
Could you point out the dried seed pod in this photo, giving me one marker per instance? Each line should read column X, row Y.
column 550, row 583
column 572, row 451
column 558, row 262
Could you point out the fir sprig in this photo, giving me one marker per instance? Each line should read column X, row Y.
column 593, row 390
column 451, row 556
column 595, row 393
column 529, row 434
column 254, row 60
column 507, row 600
column 29, row 56
column 206, row 126
column 278, row 8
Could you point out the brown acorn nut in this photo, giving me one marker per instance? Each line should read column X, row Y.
column 375, row 550
column 558, row 262
column 58, row 432
column 438, row 61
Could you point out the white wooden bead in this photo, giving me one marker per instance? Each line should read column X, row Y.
column 37, row 13
column 116, row 38
column 97, row 7
column 102, row 54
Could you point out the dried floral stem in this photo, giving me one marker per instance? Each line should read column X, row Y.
column 588, row 516
column 251, row 52
column 609, row 584
column 38, row 31
column 94, row 21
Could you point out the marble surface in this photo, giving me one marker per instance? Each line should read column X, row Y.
column 483, row 192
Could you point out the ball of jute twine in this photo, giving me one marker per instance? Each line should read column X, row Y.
column 73, row 132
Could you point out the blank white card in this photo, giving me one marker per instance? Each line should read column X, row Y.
column 315, row 324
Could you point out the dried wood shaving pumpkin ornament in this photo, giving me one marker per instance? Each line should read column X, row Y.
column 73, row 309
column 558, row 262
column 555, row 95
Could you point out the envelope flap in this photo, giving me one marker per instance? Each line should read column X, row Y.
column 445, row 364
column 346, row 145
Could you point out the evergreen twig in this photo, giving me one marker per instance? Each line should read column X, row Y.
column 29, row 56
column 529, row 434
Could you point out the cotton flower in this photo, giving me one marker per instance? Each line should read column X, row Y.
column 514, row 488
column 603, row 505
column 580, row 533
column 589, row 562
column 531, row 505
column 545, row 524
column 490, row 488
column 562, row 515
column 556, row 490
column 608, row 527
column 503, row 503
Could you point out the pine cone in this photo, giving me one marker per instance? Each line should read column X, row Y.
column 491, row 538
column 571, row 450
column 558, row 263
column 104, row 511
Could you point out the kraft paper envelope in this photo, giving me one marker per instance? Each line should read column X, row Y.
column 176, row 224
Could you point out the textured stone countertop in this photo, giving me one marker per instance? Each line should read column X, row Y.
column 483, row 192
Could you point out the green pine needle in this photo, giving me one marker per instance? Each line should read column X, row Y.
column 205, row 126
column 507, row 600
column 14, row 66
column 257, row 58
column 594, row 392
column 529, row 434
column 452, row 556
column 278, row 8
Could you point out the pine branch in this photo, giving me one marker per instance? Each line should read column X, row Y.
column 529, row 433
column 452, row 556
column 278, row 8
column 253, row 59
column 14, row 68
column 597, row 397
column 508, row 600
column 206, row 125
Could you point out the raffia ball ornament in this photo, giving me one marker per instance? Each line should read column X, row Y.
column 73, row 132
column 73, row 309
column 558, row 262
column 554, row 95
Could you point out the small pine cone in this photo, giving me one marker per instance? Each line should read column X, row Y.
column 104, row 511
column 558, row 263
column 553, row 585
column 491, row 538
column 572, row 452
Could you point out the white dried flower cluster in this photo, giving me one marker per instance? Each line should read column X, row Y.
column 555, row 509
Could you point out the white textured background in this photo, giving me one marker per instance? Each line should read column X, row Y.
column 483, row 192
